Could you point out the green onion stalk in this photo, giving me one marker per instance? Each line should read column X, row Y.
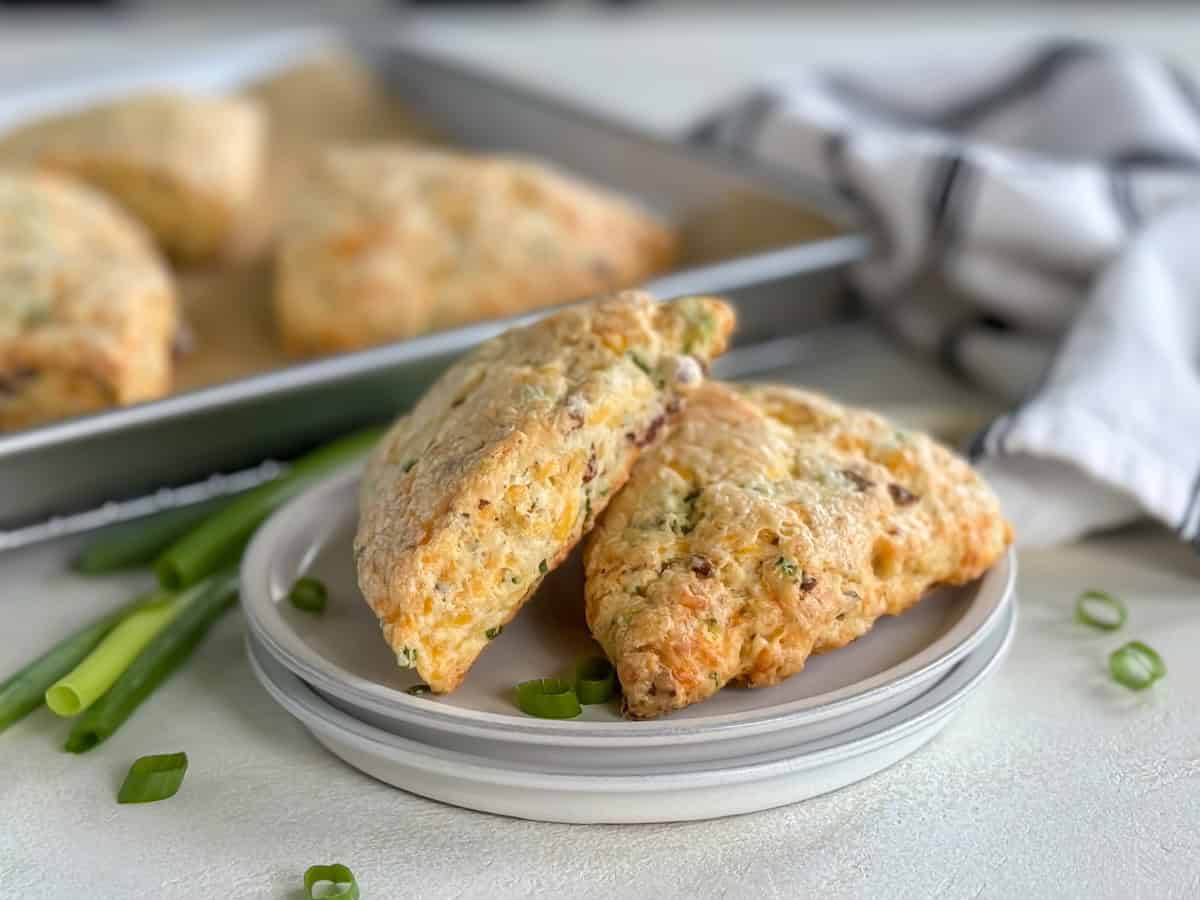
column 219, row 540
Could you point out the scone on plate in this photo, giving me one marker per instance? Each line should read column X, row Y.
column 485, row 486
column 771, row 524
column 87, row 309
column 187, row 166
column 386, row 242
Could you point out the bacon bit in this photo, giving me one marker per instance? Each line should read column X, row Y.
column 808, row 583
column 576, row 410
column 902, row 495
column 652, row 431
column 590, row 472
column 702, row 566
column 484, row 504
column 860, row 482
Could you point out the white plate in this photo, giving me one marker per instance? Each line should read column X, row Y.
column 656, row 793
column 342, row 654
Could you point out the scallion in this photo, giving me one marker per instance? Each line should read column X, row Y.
column 595, row 680
column 308, row 594
column 219, row 540
column 155, row 663
column 87, row 682
column 138, row 543
column 337, row 878
column 548, row 698
column 1100, row 609
column 1136, row 666
column 25, row 691
column 153, row 778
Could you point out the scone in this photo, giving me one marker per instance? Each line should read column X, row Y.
column 87, row 310
column 771, row 524
column 386, row 242
column 487, row 484
column 187, row 166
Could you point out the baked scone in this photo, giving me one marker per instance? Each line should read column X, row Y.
column 771, row 524
column 386, row 242
column 187, row 166
column 487, row 484
column 87, row 309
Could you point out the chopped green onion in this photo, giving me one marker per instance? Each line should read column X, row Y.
column 548, row 698
column 492, row 633
column 161, row 657
column 1100, row 610
column 543, row 568
column 25, row 691
column 595, row 680
column 87, row 682
column 219, row 540
column 308, row 594
column 153, row 778
column 338, row 878
column 139, row 543
column 1136, row 666
column 418, row 689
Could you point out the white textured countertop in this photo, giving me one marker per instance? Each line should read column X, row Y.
column 1052, row 782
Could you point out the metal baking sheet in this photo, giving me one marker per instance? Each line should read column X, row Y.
column 82, row 464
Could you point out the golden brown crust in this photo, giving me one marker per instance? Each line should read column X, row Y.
column 187, row 166
column 87, row 310
column 387, row 242
column 507, row 460
column 771, row 524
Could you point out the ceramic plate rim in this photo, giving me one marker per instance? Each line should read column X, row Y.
column 300, row 701
column 290, row 521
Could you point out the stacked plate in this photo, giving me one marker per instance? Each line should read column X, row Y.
column 848, row 715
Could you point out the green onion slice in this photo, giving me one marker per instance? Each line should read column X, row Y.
column 308, row 594
column 1136, row 666
column 548, row 698
column 595, row 680
column 153, row 778
column 1100, row 610
column 338, row 879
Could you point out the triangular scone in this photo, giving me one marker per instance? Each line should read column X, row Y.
column 87, row 308
column 487, row 484
column 386, row 242
column 187, row 166
column 769, row 525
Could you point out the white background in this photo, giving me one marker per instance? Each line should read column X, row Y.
column 1052, row 782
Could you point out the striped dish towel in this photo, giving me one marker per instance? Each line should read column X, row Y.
column 1037, row 222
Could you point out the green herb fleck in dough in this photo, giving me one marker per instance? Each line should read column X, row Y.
column 493, row 633
column 639, row 362
column 787, row 567
column 408, row 465
column 543, row 568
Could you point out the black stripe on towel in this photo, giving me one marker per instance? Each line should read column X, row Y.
column 748, row 121
column 1154, row 158
column 1027, row 81
column 1187, row 529
column 1120, row 189
column 835, row 150
column 1186, row 88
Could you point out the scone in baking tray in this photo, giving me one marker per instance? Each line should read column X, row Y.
column 245, row 391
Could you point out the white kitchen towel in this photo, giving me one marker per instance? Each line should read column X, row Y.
column 1036, row 214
